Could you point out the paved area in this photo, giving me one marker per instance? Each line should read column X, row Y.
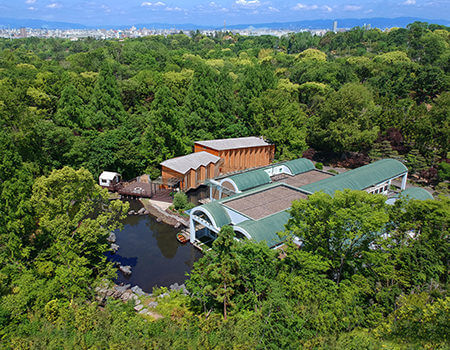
column 261, row 204
column 159, row 204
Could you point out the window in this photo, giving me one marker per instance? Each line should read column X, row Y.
column 104, row 181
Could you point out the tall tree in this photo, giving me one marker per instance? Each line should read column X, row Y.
column 71, row 111
column 279, row 118
column 74, row 219
column 215, row 277
column 106, row 109
column 339, row 228
column 345, row 120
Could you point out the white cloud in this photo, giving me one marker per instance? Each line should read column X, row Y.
column 301, row 6
column 31, row 8
column 248, row 3
column 352, row 8
column 54, row 5
column 152, row 4
column 173, row 9
column 273, row 9
column 30, row 2
column 409, row 2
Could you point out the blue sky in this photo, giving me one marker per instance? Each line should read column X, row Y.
column 103, row 12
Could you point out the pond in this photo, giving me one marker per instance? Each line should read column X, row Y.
column 153, row 252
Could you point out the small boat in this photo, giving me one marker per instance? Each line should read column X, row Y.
column 181, row 238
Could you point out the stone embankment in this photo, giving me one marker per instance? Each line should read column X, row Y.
column 144, row 303
column 164, row 214
column 141, row 211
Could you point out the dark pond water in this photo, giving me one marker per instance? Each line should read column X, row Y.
column 153, row 252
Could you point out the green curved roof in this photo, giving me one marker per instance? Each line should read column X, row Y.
column 266, row 229
column 218, row 213
column 250, row 179
column 416, row 193
column 360, row 178
column 300, row 165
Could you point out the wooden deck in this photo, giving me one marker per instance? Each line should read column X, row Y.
column 136, row 189
column 141, row 187
column 163, row 195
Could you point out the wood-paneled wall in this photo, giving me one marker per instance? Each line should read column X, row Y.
column 241, row 158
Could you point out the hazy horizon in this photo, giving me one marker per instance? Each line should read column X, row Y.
column 214, row 13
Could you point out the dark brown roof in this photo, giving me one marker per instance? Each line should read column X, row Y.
column 264, row 203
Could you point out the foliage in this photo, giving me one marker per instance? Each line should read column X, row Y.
column 318, row 165
column 367, row 275
column 180, row 201
column 339, row 228
column 444, row 171
column 345, row 121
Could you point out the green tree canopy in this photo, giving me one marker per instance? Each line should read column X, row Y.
column 339, row 228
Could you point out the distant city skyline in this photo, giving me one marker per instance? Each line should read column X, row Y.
column 123, row 12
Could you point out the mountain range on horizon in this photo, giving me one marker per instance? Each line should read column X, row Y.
column 375, row 22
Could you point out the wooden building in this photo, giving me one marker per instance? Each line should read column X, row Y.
column 238, row 153
column 190, row 171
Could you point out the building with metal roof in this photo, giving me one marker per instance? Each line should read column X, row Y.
column 192, row 161
column 258, row 206
column 257, row 214
column 238, row 153
column 233, row 143
column 214, row 157
column 246, row 180
column 191, row 170
column 266, row 229
column 374, row 178
column 416, row 193
column 299, row 166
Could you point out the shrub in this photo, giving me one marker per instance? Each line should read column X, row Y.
column 180, row 201
column 444, row 171
column 319, row 166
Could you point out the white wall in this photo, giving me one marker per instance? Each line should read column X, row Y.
column 278, row 169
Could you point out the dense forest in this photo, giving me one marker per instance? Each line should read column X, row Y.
column 369, row 276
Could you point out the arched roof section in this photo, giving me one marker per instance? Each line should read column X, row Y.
column 250, row 179
column 416, row 193
column 231, row 182
column 243, row 231
column 360, row 178
column 265, row 229
column 299, row 166
column 216, row 213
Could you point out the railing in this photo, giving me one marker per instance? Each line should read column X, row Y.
column 204, row 223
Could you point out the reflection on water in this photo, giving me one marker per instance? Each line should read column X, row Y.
column 151, row 249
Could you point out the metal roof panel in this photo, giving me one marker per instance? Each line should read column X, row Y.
column 233, row 143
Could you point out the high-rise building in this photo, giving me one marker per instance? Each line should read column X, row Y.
column 23, row 32
column 335, row 26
